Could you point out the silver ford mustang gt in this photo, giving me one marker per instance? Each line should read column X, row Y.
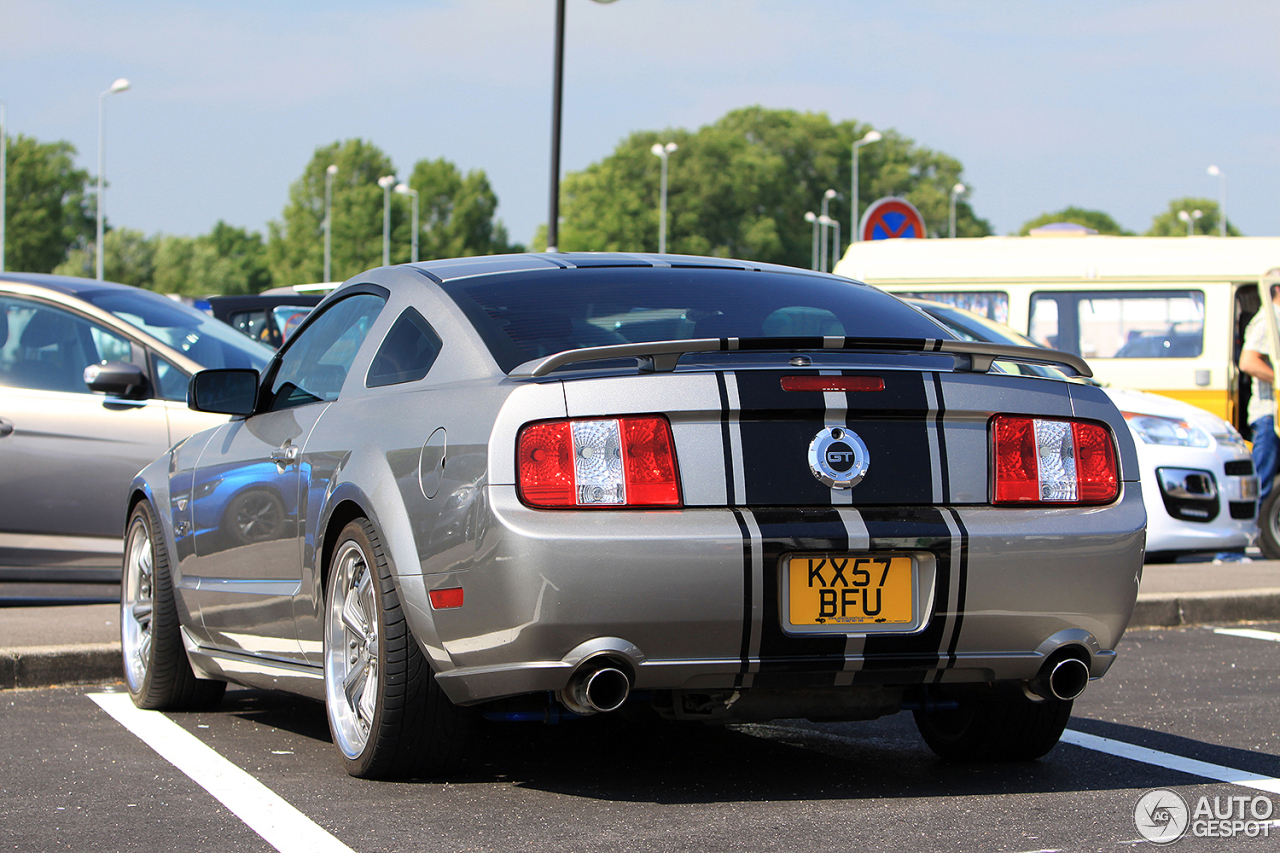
column 535, row 486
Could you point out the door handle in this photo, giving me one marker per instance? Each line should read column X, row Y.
column 6, row 428
column 285, row 456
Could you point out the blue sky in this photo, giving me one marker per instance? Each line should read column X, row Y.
column 1118, row 106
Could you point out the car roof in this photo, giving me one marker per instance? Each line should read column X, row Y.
column 65, row 284
column 455, row 268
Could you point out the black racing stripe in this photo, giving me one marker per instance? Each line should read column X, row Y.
column 783, row 657
column 943, row 465
column 729, row 496
column 962, row 587
column 778, row 426
column 911, row 529
column 748, row 599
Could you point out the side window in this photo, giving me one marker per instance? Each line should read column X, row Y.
column 1121, row 324
column 406, row 354
column 171, row 383
column 317, row 361
column 47, row 348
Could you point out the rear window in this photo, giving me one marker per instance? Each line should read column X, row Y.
column 537, row 314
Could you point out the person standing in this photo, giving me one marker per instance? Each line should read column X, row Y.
column 1255, row 360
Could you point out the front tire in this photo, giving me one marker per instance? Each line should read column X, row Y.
column 156, row 668
column 388, row 717
column 1008, row 728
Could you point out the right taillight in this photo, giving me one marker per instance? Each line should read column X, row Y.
column 609, row 462
column 1054, row 462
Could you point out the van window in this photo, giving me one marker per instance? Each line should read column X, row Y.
column 992, row 304
column 1116, row 324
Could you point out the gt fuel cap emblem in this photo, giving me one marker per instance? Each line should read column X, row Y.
column 838, row 458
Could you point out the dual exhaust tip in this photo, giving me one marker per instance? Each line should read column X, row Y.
column 597, row 687
column 1064, row 678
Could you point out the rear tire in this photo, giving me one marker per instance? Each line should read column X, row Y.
column 156, row 668
column 1269, row 525
column 1008, row 728
column 388, row 716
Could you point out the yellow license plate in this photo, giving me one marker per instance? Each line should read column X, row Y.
column 851, row 589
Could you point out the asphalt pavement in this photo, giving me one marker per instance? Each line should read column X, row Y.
column 42, row 646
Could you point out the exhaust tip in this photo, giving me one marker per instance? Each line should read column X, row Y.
column 1068, row 678
column 596, row 690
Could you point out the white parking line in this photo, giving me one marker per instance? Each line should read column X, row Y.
column 1169, row 761
column 265, row 812
column 1250, row 633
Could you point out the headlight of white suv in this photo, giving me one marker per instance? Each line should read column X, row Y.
column 1175, row 432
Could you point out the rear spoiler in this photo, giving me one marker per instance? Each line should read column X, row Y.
column 662, row 356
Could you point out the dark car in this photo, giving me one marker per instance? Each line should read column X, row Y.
column 266, row 317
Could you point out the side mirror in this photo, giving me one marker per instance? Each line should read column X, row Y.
column 117, row 379
column 224, row 391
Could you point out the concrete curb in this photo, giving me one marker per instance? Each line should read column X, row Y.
column 1171, row 610
column 48, row 666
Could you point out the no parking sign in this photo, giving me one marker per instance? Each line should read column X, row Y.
column 890, row 218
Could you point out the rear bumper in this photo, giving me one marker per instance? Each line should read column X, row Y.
column 691, row 599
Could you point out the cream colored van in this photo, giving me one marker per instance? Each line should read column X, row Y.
column 1160, row 314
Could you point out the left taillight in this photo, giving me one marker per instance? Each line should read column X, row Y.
column 1052, row 462
column 601, row 463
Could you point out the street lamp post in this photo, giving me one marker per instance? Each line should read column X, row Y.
column 810, row 216
column 956, row 192
column 118, row 86
column 822, row 238
column 553, row 214
column 1190, row 219
column 386, row 182
column 328, row 221
column 1214, row 170
column 831, row 222
column 872, row 136
column 665, row 152
column 405, row 189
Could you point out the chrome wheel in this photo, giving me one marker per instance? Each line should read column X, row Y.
column 352, row 675
column 137, row 602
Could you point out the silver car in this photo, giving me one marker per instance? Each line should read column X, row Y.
column 93, row 386
column 534, row 485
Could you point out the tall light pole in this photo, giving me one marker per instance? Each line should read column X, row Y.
column 386, row 182
column 553, row 214
column 822, row 238
column 118, row 86
column 1214, row 170
column 665, row 152
column 405, row 189
column 872, row 136
column 1190, row 219
column 810, row 216
column 328, row 220
column 831, row 222
column 956, row 192
column 3, row 131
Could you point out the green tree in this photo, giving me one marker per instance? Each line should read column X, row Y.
column 295, row 247
column 1095, row 219
column 48, row 209
column 128, row 256
column 1168, row 224
column 741, row 186
column 456, row 214
column 227, row 260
